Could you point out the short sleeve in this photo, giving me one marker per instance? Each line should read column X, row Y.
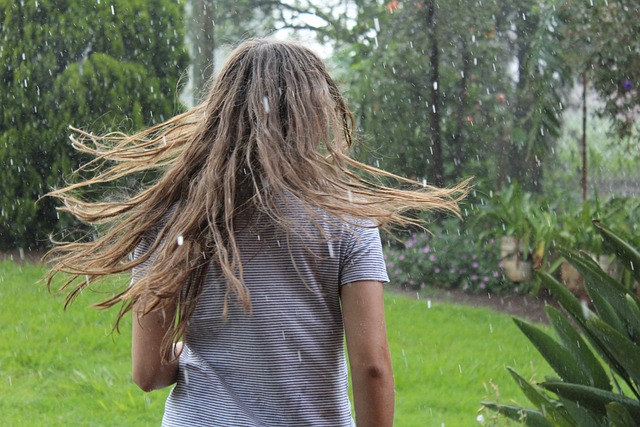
column 139, row 271
column 363, row 258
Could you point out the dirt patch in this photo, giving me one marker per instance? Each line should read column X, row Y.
column 524, row 306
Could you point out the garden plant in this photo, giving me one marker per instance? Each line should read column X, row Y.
column 596, row 355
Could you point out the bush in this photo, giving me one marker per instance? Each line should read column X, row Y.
column 587, row 394
column 448, row 258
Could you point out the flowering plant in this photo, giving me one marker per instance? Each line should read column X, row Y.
column 448, row 258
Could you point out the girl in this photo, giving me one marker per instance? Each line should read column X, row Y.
column 256, row 251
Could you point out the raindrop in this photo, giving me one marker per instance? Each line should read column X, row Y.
column 24, row 58
column 180, row 240
column 299, row 356
column 435, row 85
column 424, row 182
column 330, row 247
column 428, row 303
column 265, row 104
column 490, row 328
column 350, row 196
column 164, row 140
column 113, row 12
column 376, row 24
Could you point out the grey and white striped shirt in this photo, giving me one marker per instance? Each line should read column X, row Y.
column 283, row 364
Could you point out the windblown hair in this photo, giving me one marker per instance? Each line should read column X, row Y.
column 274, row 126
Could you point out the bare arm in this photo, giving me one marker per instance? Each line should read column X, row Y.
column 369, row 359
column 148, row 371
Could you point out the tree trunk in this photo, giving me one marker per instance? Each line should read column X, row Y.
column 203, row 45
column 462, row 97
column 584, row 137
column 434, row 58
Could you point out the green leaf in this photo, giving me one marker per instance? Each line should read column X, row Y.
column 593, row 398
column 618, row 415
column 599, row 282
column 529, row 417
column 581, row 352
column 583, row 416
column 549, row 408
column 625, row 252
column 635, row 319
column 566, row 299
column 560, row 359
column 623, row 349
column 605, row 310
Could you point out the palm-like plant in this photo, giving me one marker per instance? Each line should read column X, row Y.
column 585, row 393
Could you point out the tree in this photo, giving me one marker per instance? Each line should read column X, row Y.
column 103, row 65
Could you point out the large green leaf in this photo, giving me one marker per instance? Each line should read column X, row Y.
column 529, row 417
column 618, row 415
column 583, row 416
column 593, row 398
column 600, row 283
column 632, row 302
column 623, row 349
column 581, row 352
column 566, row 299
column 559, row 358
column 625, row 252
column 605, row 310
column 551, row 409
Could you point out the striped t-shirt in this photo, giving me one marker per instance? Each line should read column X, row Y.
column 284, row 363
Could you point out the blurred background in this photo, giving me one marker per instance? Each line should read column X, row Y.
column 538, row 100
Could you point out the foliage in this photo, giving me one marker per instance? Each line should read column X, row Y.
column 585, row 394
column 105, row 65
column 602, row 40
column 448, row 258
column 523, row 215
column 46, row 353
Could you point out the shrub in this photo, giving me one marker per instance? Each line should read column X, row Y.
column 586, row 394
column 448, row 258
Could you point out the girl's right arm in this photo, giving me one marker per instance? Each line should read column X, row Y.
column 369, row 358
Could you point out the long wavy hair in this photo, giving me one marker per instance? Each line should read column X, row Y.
column 273, row 126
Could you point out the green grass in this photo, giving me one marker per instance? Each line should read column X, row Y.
column 62, row 368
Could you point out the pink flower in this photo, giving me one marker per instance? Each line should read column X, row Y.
column 426, row 250
column 401, row 257
column 432, row 258
column 475, row 265
column 436, row 270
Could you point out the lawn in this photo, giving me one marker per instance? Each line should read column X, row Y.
column 62, row 368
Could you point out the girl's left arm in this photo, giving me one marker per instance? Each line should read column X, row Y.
column 148, row 370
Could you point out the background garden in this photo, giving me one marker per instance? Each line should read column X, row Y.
column 537, row 100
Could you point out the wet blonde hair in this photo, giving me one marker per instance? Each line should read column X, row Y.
column 274, row 125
